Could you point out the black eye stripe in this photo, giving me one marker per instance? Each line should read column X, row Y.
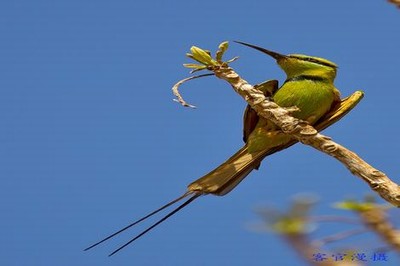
column 313, row 60
column 306, row 77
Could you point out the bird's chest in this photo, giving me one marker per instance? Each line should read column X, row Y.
column 314, row 99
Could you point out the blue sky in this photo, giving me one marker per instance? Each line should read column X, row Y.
column 90, row 138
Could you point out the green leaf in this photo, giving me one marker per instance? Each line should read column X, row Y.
column 290, row 225
column 233, row 59
column 201, row 56
column 221, row 50
column 355, row 206
column 193, row 66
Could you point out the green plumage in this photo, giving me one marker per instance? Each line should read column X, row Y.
column 308, row 86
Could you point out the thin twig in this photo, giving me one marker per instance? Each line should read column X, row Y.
column 339, row 236
column 331, row 218
column 175, row 89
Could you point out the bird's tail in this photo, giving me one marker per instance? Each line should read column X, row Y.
column 219, row 182
column 229, row 174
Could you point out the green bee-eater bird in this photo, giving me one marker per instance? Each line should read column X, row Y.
column 308, row 86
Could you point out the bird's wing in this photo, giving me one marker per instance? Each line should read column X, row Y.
column 337, row 112
column 250, row 117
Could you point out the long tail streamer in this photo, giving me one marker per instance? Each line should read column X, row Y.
column 187, row 202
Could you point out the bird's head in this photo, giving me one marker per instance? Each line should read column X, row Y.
column 298, row 64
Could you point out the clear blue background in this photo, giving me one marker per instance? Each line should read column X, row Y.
column 90, row 138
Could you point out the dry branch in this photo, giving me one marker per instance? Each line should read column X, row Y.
column 306, row 134
column 396, row 2
column 376, row 219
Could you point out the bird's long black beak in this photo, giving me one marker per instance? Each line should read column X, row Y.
column 275, row 55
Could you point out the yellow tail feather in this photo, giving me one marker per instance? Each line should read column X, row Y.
column 228, row 175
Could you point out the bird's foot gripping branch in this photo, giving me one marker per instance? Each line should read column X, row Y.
column 298, row 129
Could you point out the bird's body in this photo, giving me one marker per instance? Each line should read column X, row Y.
column 309, row 87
